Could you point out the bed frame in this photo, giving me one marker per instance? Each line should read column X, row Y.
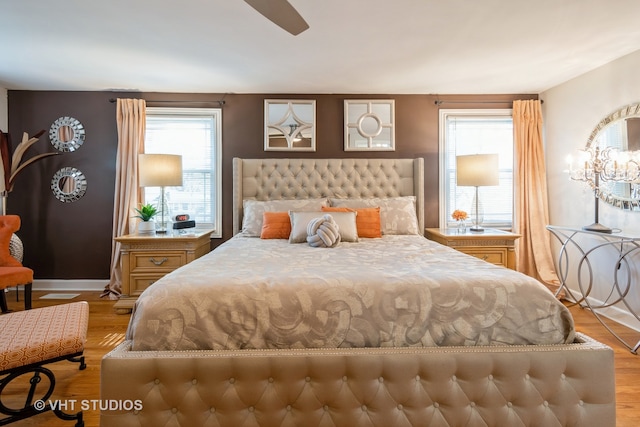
column 571, row 384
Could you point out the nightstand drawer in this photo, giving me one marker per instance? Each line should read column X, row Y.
column 140, row 282
column 494, row 256
column 165, row 261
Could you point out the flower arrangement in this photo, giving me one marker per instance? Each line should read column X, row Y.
column 459, row 215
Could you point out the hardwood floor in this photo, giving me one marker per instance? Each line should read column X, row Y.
column 106, row 330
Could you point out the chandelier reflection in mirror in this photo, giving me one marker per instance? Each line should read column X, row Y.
column 602, row 168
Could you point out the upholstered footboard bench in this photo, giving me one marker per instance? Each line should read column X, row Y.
column 554, row 385
column 31, row 339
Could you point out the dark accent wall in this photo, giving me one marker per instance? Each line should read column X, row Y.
column 73, row 240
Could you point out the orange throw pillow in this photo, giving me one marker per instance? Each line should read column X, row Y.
column 367, row 220
column 9, row 224
column 275, row 225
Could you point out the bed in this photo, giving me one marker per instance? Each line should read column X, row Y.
column 388, row 330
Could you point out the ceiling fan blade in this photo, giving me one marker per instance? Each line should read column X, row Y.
column 281, row 13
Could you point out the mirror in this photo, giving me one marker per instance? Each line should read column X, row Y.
column 620, row 131
column 66, row 134
column 369, row 125
column 289, row 125
column 68, row 184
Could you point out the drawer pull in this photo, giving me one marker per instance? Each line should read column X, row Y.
column 160, row 262
column 486, row 257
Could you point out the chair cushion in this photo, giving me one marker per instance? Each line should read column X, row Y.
column 42, row 334
column 9, row 224
column 15, row 276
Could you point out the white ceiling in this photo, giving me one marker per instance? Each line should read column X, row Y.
column 352, row 46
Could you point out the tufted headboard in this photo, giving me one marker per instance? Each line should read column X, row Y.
column 273, row 179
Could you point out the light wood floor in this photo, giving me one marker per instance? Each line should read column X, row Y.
column 106, row 330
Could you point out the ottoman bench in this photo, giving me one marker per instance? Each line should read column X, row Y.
column 33, row 338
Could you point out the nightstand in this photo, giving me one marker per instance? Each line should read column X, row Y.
column 494, row 246
column 146, row 258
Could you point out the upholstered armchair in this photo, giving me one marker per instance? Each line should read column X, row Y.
column 12, row 272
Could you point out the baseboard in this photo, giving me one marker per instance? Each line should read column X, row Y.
column 68, row 285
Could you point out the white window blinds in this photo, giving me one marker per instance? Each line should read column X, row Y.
column 195, row 134
column 465, row 132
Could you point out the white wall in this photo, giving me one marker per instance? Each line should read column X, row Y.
column 571, row 112
column 4, row 110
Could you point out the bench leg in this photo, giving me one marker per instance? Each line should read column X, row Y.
column 70, row 417
column 32, row 405
column 80, row 360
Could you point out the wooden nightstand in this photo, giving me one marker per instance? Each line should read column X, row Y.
column 146, row 258
column 494, row 246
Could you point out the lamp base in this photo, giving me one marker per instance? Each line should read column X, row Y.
column 597, row 227
column 477, row 229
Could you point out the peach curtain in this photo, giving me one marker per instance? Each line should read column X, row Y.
column 131, row 119
column 533, row 249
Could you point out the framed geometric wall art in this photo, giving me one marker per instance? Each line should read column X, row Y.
column 289, row 125
column 369, row 125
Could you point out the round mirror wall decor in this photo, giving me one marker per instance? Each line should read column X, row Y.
column 68, row 184
column 66, row 134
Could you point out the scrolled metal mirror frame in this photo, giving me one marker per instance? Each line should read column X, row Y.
column 631, row 110
column 78, row 184
column 76, row 138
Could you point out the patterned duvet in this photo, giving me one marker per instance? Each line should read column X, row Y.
column 397, row 291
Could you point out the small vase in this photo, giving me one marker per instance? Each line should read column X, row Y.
column 462, row 226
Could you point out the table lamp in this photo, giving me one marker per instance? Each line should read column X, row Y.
column 477, row 170
column 160, row 170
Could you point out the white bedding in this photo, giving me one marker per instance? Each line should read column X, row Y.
column 399, row 290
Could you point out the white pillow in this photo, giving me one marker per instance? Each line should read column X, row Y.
column 346, row 223
column 253, row 210
column 397, row 214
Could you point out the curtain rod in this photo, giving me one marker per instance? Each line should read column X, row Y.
column 220, row 102
column 440, row 102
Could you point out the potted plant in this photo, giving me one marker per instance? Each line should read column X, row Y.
column 146, row 213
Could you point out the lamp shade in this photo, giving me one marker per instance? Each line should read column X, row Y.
column 477, row 170
column 159, row 170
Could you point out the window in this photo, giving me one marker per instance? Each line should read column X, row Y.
column 464, row 132
column 196, row 135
